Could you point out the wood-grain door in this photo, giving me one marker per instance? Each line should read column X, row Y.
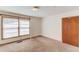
column 66, row 30
column 74, row 30
column 70, row 30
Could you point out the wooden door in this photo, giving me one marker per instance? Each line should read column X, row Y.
column 70, row 30
column 66, row 30
column 74, row 31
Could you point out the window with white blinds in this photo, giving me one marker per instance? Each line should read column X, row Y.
column 10, row 27
column 14, row 27
column 24, row 27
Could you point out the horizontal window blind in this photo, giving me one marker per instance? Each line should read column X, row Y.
column 14, row 26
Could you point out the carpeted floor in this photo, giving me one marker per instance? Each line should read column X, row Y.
column 39, row 44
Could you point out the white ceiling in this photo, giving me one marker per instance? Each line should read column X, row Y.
column 43, row 12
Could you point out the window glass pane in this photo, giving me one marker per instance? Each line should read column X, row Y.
column 24, row 27
column 10, row 27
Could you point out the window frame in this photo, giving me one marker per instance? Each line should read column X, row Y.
column 18, row 18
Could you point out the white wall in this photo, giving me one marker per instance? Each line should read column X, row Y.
column 35, row 26
column 52, row 25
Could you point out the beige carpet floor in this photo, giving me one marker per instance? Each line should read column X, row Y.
column 39, row 44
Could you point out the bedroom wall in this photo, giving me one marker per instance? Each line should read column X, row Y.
column 35, row 30
column 52, row 25
column 35, row 26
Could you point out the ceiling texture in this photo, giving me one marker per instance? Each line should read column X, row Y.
column 42, row 12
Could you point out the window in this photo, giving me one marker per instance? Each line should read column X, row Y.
column 10, row 27
column 24, row 27
column 14, row 27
